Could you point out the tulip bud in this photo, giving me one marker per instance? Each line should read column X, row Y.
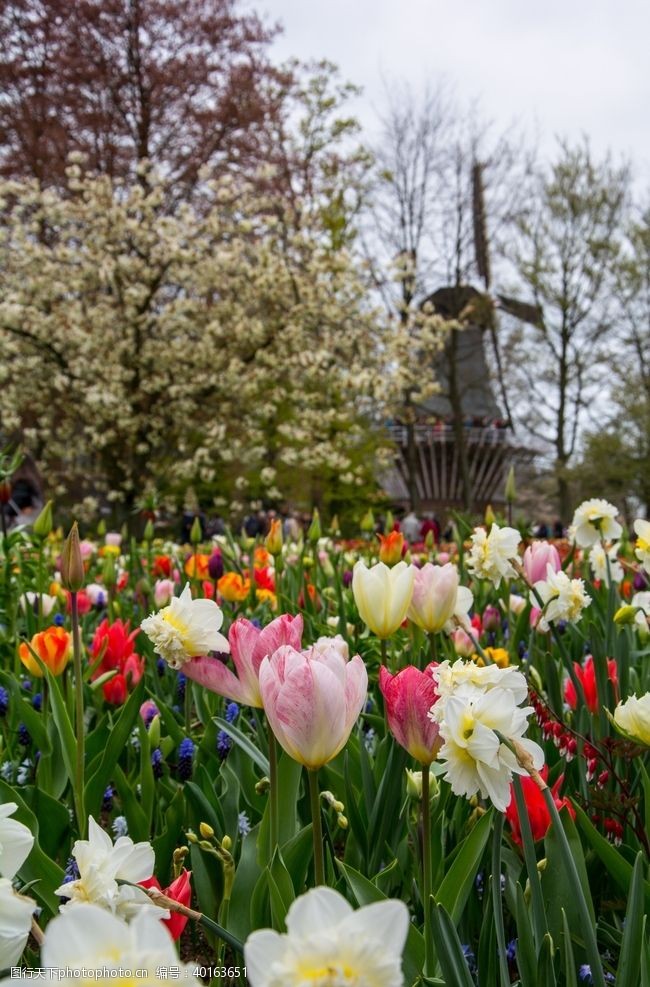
column 511, row 490
column 43, row 523
column 109, row 572
column 335, row 527
column 491, row 619
column 429, row 540
column 154, row 732
column 195, row 531
column 390, row 521
column 314, row 532
column 490, row 516
column 215, row 565
column 368, row 521
column 148, row 532
column 273, row 540
column 101, row 528
column 72, row 567
column 206, row 831
column 625, row 615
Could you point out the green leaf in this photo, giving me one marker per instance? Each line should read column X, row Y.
column 569, row 958
column 546, row 975
column 37, row 868
column 450, row 952
column 526, row 955
column 616, row 865
column 459, row 879
column 246, row 877
column 27, row 714
column 281, row 891
column 64, row 727
column 117, row 741
column 297, row 856
column 245, row 743
column 165, row 844
column 629, row 963
column 135, row 817
column 54, row 825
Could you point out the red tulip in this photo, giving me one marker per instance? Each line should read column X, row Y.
column 538, row 814
column 409, row 696
column 587, row 677
column 115, row 643
column 179, row 890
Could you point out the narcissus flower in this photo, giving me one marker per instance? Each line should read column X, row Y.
column 248, row 646
column 101, row 865
column 312, row 700
column 15, row 923
column 383, row 595
column 594, row 520
column 642, row 549
column 476, row 758
column 233, row 587
column 53, row 646
column 598, row 560
column 185, row 629
column 408, row 697
column 491, row 554
column 633, row 717
column 82, row 941
column 16, row 841
column 437, row 597
column 563, row 598
column 328, row 943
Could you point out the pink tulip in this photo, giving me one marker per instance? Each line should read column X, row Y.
column 463, row 644
column 435, row 593
column 491, row 619
column 312, row 700
column 248, row 646
column 409, row 696
column 163, row 591
column 537, row 556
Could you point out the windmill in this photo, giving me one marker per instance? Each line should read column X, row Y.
column 461, row 445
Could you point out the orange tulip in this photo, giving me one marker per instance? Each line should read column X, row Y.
column 391, row 547
column 234, row 587
column 53, row 646
column 196, row 567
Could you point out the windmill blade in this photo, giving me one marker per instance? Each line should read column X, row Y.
column 523, row 311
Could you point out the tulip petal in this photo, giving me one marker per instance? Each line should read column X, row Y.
column 216, row 676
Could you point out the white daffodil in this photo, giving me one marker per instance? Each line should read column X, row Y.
column 475, row 756
column 186, row 629
column 102, row 864
column 563, row 598
column 16, row 841
column 642, row 616
column 491, row 554
column 383, row 595
column 15, row 922
column 83, row 942
column 594, row 520
column 328, row 943
column 598, row 562
column 642, row 550
column 470, row 681
column 633, row 716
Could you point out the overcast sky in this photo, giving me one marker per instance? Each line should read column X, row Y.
column 561, row 67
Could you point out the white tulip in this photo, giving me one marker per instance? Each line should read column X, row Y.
column 383, row 595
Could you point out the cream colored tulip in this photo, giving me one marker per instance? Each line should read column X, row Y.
column 383, row 595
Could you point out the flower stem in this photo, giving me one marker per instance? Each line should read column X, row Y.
column 426, row 872
column 539, row 916
column 433, row 650
column 273, row 790
column 79, row 712
column 314, row 798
